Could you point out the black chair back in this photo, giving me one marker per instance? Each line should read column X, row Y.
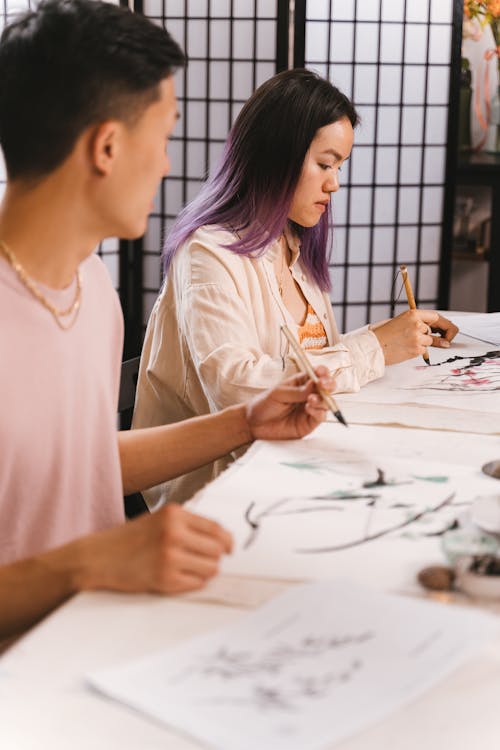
column 134, row 504
column 128, row 385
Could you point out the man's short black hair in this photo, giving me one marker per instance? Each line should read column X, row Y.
column 70, row 64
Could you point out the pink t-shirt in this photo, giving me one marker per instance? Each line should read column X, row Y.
column 60, row 475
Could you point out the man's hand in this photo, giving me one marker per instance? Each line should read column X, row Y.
column 291, row 410
column 169, row 551
column 409, row 334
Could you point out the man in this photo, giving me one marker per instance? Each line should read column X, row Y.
column 87, row 104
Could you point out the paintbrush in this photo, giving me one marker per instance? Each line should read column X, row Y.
column 411, row 302
column 308, row 369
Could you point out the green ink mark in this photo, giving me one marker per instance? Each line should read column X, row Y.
column 302, row 466
column 437, row 479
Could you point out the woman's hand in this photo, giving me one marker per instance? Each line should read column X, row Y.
column 409, row 334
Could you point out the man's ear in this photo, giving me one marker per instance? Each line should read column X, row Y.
column 105, row 145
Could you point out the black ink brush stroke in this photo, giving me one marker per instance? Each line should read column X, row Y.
column 474, row 361
column 379, row 534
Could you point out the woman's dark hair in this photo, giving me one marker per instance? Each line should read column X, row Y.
column 251, row 190
column 69, row 64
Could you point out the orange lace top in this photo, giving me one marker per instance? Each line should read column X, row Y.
column 312, row 334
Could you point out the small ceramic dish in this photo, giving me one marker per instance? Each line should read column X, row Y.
column 482, row 585
column 485, row 513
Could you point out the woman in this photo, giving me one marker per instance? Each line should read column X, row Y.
column 250, row 254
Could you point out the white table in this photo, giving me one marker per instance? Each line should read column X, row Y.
column 44, row 702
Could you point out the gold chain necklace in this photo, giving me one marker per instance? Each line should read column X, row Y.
column 32, row 287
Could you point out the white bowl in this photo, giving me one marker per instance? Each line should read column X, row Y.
column 475, row 584
column 485, row 513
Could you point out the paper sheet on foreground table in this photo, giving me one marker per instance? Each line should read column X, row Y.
column 316, row 664
column 482, row 326
column 351, row 503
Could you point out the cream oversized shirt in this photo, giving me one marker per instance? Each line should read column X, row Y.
column 214, row 339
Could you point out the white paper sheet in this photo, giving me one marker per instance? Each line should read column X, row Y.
column 419, row 415
column 318, row 663
column 316, row 508
column 464, row 378
column 236, row 591
column 482, row 326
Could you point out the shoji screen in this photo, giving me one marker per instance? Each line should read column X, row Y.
column 393, row 58
column 231, row 47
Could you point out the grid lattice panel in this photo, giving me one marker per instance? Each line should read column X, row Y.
column 392, row 57
column 231, row 48
column 108, row 249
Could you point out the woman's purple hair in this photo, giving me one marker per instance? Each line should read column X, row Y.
column 251, row 190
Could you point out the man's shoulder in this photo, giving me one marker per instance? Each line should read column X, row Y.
column 96, row 276
column 95, row 269
column 103, row 308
